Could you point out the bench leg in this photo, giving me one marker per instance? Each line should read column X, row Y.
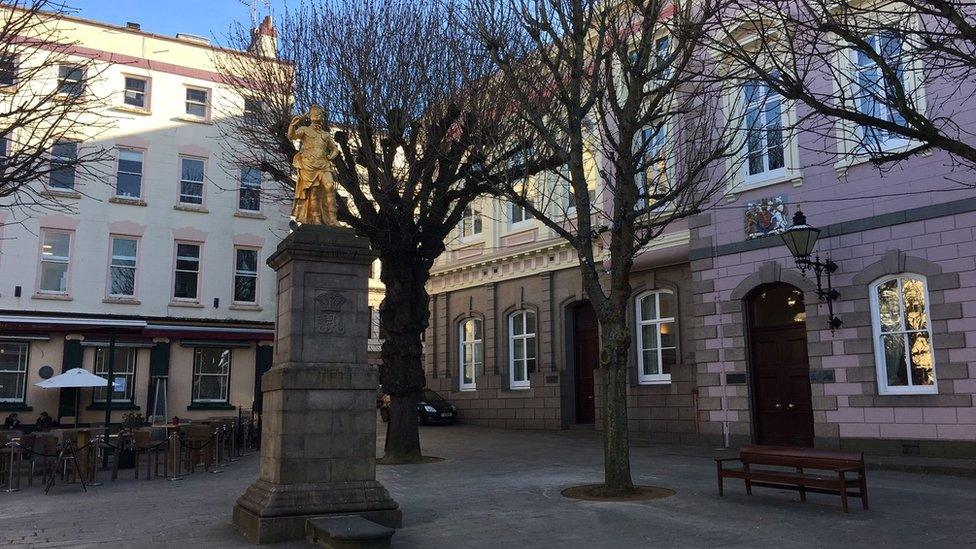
column 843, row 490
column 864, row 491
column 745, row 466
column 802, row 488
column 721, row 480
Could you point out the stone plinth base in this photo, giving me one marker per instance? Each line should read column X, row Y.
column 271, row 513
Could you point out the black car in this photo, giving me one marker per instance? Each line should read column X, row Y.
column 432, row 408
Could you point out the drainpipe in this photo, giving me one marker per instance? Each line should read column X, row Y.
column 722, row 379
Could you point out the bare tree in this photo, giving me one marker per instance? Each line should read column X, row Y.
column 49, row 115
column 621, row 93
column 882, row 80
column 416, row 114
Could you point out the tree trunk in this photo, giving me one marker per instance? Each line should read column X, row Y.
column 616, row 438
column 404, row 316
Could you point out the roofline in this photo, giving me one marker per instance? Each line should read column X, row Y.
column 123, row 28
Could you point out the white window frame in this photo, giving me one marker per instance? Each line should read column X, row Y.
column 145, row 93
column 652, row 146
column 759, row 102
column 202, row 182
column 195, row 387
column 247, row 186
column 187, row 102
column 176, row 269
column 892, row 141
column 879, row 353
column 525, row 339
column 238, row 273
column 100, row 368
column 23, row 366
column 63, row 81
column 659, row 378
column 119, row 171
column 112, row 265
column 69, row 161
column 61, row 260
column 462, row 345
column 472, row 224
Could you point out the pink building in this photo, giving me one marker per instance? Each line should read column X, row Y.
column 899, row 376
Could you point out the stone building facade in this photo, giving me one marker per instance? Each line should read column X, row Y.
column 487, row 285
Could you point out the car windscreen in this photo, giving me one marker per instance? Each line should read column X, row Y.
column 431, row 396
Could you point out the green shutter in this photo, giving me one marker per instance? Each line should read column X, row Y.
column 264, row 359
column 71, row 358
column 159, row 360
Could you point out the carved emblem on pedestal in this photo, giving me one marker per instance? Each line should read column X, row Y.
column 328, row 306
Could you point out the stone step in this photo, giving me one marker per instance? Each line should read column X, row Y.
column 347, row 532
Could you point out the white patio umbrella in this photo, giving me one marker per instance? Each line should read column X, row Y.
column 74, row 378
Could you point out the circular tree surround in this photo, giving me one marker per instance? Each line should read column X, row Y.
column 599, row 492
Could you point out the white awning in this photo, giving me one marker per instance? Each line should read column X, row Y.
column 75, row 377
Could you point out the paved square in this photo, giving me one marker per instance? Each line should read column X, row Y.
column 501, row 489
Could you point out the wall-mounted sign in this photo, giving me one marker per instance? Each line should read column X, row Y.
column 766, row 217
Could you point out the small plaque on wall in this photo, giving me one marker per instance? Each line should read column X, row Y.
column 735, row 379
column 821, row 376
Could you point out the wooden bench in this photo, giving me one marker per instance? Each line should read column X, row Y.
column 831, row 476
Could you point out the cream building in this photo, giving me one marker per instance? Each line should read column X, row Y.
column 164, row 251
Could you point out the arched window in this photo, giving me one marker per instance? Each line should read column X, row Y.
column 471, row 352
column 521, row 348
column 657, row 348
column 902, row 335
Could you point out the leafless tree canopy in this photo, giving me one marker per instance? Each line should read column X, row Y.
column 625, row 96
column 419, row 124
column 880, row 79
column 47, row 109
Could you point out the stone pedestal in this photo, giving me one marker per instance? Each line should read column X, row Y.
column 318, row 428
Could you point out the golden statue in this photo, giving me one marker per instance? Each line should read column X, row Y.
column 315, row 188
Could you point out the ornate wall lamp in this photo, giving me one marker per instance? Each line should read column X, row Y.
column 800, row 238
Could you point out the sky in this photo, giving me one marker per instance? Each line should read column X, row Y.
column 207, row 18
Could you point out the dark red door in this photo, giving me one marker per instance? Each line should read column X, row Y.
column 780, row 367
column 587, row 353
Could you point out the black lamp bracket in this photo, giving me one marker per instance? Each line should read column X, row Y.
column 822, row 269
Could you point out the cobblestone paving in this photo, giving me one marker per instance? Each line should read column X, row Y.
column 501, row 489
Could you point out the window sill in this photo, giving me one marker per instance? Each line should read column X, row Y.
column 249, row 215
column 132, row 110
column 211, row 406
column 61, row 193
column 928, row 390
column 189, row 304
column 245, row 307
column 655, row 382
column 15, row 407
column 851, row 159
column 521, row 225
column 195, row 120
column 794, row 177
column 122, row 301
column 191, row 208
column 127, row 201
column 519, row 389
column 468, row 389
column 116, row 406
column 52, row 297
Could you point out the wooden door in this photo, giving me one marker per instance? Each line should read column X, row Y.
column 780, row 367
column 586, row 347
